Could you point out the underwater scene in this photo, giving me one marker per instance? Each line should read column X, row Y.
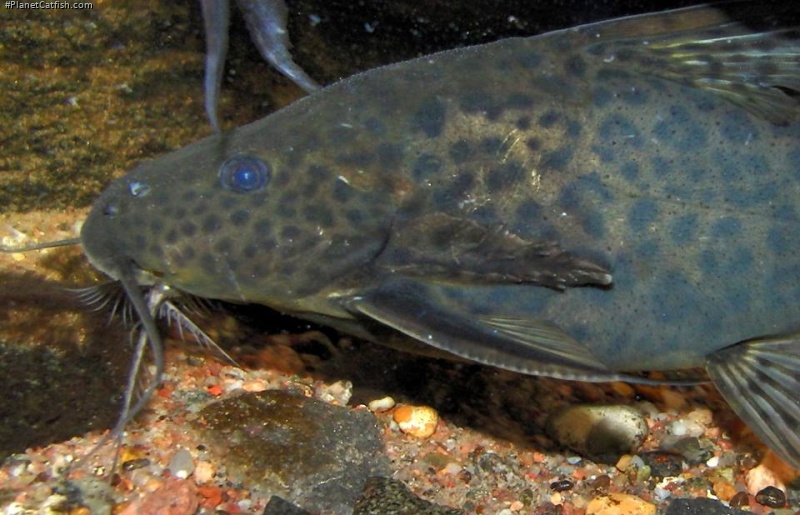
column 495, row 257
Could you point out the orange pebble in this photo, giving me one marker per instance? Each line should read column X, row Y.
column 417, row 421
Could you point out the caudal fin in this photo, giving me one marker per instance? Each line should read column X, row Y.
column 760, row 379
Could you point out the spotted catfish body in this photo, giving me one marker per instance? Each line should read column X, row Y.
column 617, row 197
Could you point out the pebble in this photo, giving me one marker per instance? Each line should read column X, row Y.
column 760, row 477
column 772, row 497
column 619, row 504
column 417, row 421
column 599, row 432
column 204, row 472
column 663, row 464
column 382, row 404
column 181, row 465
column 694, row 450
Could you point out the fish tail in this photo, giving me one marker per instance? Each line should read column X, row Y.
column 760, row 379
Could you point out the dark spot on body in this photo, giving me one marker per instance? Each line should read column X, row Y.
column 630, row 170
column 680, row 130
column 189, row 196
column 171, row 237
column 504, row 177
column 634, row 96
column 250, row 251
column 212, row 223
column 530, row 211
column 342, row 192
column 780, row 241
column 318, row 214
column 533, row 144
column 200, row 209
column 519, row 101
column 430, row 117
column 355, row 159
column 593, row 222
column 478, row 102
column 557, row 159
column 575, row 66
column 529, row 59
column 187, row 253
column 156, row 226
column 375, row 126
column 549, row 119
column 287, row 208
column 661, row 167
column 208, row 263
column 188, row 228
column 262, row 227
column 485, row 214
column 601, row 97
column 726, row 227
column 287, row 269
column 523, row 123
column 354, row 216
column 605, row 153
column 737, row 127
column 460, row 151
column 683, row 228
column 228, row 202
column 240, row 217
column 494, row 145
column 616, row 129
column 340, row 135
column 223, row 246
column 390, row 156
column 573, row 129
column 291, row 232
column 648, row 249
column 643, row 213
column 426, row 166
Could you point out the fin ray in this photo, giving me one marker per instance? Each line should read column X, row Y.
column 760, row 380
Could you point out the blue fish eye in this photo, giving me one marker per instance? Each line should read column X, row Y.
column 244, row 174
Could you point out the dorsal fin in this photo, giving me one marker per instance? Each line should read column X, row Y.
column 745, row 52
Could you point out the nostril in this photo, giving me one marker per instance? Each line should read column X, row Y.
column 139, row 189
column 111, row 210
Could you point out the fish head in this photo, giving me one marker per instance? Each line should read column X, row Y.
column 249, row 216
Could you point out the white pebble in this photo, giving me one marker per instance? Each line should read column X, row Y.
column 182, row 464
column 382, row 404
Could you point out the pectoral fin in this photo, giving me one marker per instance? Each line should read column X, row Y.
column 448, row 248
column 528, row 346
column 760, row 379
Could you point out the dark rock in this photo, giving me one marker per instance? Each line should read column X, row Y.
column 280, row 506
column 386, row 496
column 772, row 497
column 315, row 455
column 663, row 464
column 693, row 449
column 562, row 485
column 740, row 500
column 701, row 506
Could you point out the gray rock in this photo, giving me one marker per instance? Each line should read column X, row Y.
column 385, row 496
column 701, row 506
column 315, row 455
